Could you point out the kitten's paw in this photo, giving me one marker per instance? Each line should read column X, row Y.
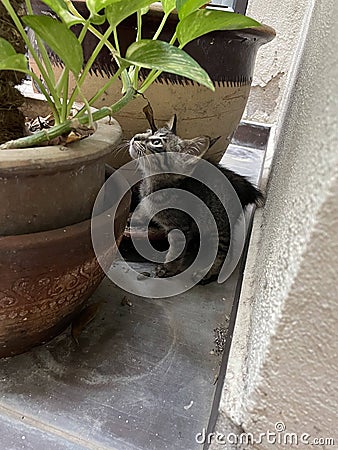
column 160, row 271
column 165, row 271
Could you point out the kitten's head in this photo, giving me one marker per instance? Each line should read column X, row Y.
column 171, row 151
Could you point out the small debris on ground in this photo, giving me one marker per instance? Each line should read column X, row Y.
column 188, row 406
column 220, row 334
column 126, row 302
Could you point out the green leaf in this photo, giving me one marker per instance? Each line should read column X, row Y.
column 168, row 5
column 162, row 56
column 15, row 62
column 179, row 4
column 95, row 6
column 144, row 10
column 6, row 49
column 118, row 11
column 60, row 39
column 186, row 7
column 97, row 19
column 204, row 21
column 60, row 8
column 9, row 59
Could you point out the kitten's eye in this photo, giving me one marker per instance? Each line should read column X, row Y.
column 156, row 142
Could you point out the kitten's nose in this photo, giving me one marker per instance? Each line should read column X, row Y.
column 137, row 137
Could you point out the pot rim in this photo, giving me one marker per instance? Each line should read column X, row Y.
column 49, row 158
column 262, row 33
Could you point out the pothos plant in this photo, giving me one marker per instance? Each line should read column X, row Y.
column 154, row 54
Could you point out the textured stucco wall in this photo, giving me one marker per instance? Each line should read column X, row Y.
column 283, row 364
column 274, row 59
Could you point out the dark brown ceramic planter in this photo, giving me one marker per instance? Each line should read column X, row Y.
column 45, row 188
column 47, row 264
column 46, row 277
column 228, row 57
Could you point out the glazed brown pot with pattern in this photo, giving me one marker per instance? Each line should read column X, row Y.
column 48, row 268
column 47, row 276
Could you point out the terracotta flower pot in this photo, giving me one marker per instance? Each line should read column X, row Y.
column 47, row 264
column 46, row 277
column 45, row 188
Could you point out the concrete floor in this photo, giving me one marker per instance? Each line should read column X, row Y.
column 142, row 376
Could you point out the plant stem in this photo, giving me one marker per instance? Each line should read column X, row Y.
column 63, row 82
column 101, row 91
column 138, row 38
column 42, row 48
column 88, row 66
column 86, row 107
column 91, row 28
column 47, row 97
column 47, row 135
column 65, row 88
column 161, row 26
column 116, row 40
column 114, row 51
column 21, row 30
column 124, row 74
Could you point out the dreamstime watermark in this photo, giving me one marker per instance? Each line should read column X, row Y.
column 277, row 436
column 118, row 185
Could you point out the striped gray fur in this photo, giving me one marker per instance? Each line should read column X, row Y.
column 179, row 155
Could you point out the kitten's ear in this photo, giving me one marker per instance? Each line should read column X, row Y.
column 171, row 125
column 197, row 146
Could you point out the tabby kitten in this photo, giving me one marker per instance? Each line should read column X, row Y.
column 184, row 156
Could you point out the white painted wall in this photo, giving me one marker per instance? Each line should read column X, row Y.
column 274, row 60
column 284, row 358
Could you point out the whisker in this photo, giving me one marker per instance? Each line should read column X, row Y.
column 121, row 147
